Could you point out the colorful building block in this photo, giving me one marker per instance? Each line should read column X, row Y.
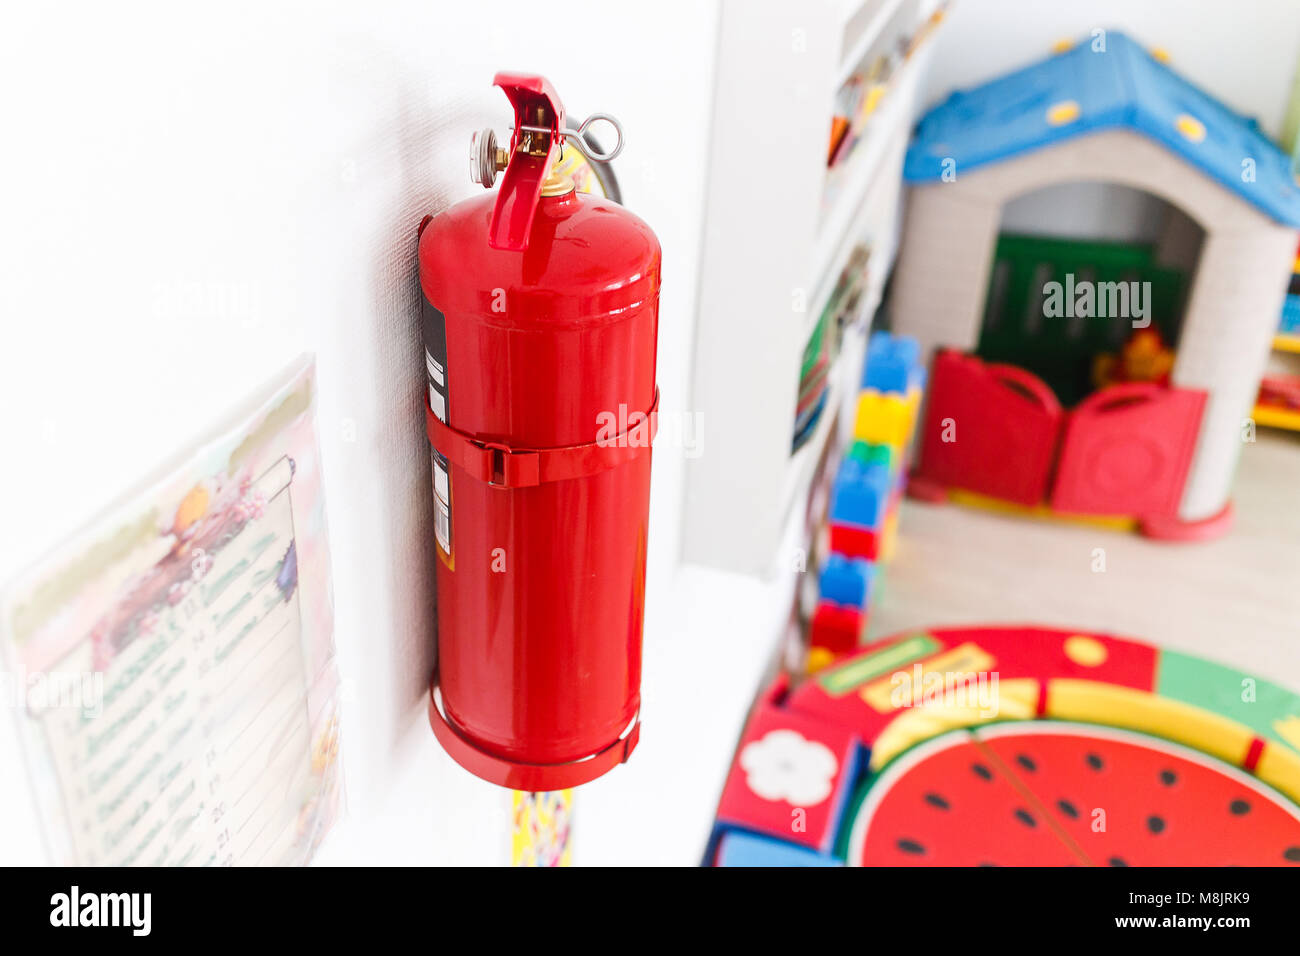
column 837, row 627
column 869, row 454
column 1290, row 315
column 847, row 581
column 861, row 498
column 853, row 541
column 738, row 848
column 818, row 659
column 893, row 364
column 860, row 494
column 835, row 630
column 886, row 418
column 790, row 779
column 856, row 542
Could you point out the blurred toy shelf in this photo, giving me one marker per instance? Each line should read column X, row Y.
column 800, row 236
column 869, row 168
column 863, row 24
column 1274, row 416
column 805, row 462
column 1278, row 405
column 1279, row 392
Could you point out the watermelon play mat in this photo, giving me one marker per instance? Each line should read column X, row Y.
column 1015, row 746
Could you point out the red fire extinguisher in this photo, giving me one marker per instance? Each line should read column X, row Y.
column 540, row 318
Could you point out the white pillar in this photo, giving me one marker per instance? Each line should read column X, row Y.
column 1232, row 316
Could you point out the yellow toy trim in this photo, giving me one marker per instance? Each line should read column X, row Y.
column 1017, row 700
column 1280, row 768
column 1275, row 417
column 1108, row 705
column 1066, row 111
column 1096, row 703
column 819, row 658
column 974, row 500
column 1192, row 129
column 1085, row 651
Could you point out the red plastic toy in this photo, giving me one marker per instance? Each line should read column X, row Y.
column 1023, row 745
column 989, row 428
column 998, row 431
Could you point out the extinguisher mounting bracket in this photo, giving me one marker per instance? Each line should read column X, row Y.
column 521, row 775
column 502, row 466
column 508, row 468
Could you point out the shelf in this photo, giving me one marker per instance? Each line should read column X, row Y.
column 854, row 180
column 1275, row 417
column 889, row 127
column 761, row 260
column 804, row 461
column 878, row 19
column 843, row 381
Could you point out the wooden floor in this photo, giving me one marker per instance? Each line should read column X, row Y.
column 1236, row 600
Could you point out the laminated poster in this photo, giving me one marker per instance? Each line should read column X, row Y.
column 179, row 694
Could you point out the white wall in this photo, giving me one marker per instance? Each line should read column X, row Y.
column 193, row 198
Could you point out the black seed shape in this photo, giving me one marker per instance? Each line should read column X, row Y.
column 1068, row 808
column 934, row 800
column 1095, row 762
column 1238, row 807
column 986, row 863
column 1168, row 778
column 982, row 771
column 911, row 846
column 1025, row 817
column 1117, row 861
column 1027, row 762
column 1155, row 824
column 1292, row 853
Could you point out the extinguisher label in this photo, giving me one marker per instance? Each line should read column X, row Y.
column 442, row 503
column 437, row 397
column 435, row 362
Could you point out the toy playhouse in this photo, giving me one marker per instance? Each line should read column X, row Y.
column 1113, row 380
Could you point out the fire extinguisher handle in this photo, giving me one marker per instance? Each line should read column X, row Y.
column 534, row 144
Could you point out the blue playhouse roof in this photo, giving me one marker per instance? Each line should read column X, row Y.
column 1081, row 91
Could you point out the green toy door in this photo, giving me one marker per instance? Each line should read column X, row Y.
column 1060, row 348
